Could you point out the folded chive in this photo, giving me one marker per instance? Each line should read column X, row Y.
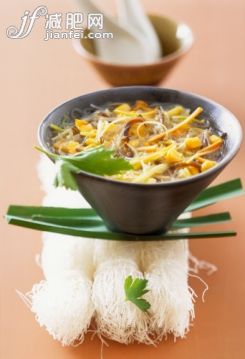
column 202, row 220
column 217, row 193
column 101, row 232
column 85, row 221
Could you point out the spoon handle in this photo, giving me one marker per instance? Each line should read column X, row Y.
column 126, row 45
column 132, row 13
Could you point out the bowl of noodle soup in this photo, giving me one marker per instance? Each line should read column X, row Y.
column 176, row 143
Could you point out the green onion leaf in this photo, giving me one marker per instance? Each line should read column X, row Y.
column 202, row 220
column 28, row 211
column 98, row 229
column 85, row 221
column 217, row 193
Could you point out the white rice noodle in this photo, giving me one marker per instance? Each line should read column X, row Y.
column 63, row 306
column 46, row 173
column 195, row 265
column 62, row 253
column 62, row 302
column 57, row 197
column 116, row 318
column 166, row 267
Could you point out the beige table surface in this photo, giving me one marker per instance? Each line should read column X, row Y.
column 36, row 76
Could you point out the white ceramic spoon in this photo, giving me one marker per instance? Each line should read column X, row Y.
column 131, row 12
column 126, row 47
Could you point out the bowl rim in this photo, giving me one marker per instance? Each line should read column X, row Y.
column 220, row 165
column 164, row 59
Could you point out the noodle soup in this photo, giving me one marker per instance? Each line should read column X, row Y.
column 162, row 142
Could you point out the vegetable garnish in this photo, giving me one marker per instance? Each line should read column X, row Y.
column 98, row 161
column 162, row 142
column 65, row 175
column 134, row 290
column 102, row 232
column 85, row 222
column 217, row 193
column 202, row 220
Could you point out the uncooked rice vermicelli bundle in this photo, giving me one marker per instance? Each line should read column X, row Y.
column 63, row 306
column 58, row 197
column 62, row 302
column 116, row 318
column 165, row 265
column 46, row 173
column 62, row 253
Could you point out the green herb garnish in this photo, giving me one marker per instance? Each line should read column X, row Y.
column 99, row 161
column 85, row 222
column 90, row 230
column 134, row 290
column 65, row 175
column 202, row 220
column 216, row 194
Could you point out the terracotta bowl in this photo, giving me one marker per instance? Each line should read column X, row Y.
column 176, row 40
column 145, row 208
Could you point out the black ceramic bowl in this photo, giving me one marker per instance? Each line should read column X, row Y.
column 145, row 208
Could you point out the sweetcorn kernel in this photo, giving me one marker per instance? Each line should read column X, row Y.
column 193, row 170
column 79, row 123
column 215, row 138
column 70, row 147
column 173, row 156
column 207, row 164
column 137, row 166
column 90, row 141
column 85, row 128
column 92, row 133
column 193, row 143
column 124, row 107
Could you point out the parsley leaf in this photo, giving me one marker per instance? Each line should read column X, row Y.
column 64, row 175
column 134, row 289
column 98, row 160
